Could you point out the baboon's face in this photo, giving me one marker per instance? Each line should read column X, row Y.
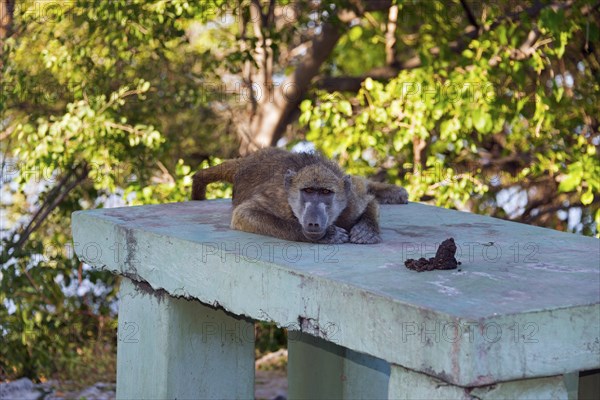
column 317, row 197
column 315, row 216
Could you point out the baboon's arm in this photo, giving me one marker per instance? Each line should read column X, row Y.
column 366, row 230
column 251, row 219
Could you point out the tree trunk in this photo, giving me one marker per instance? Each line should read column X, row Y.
column 7, row 9
column 276, row 103
column 272, row 107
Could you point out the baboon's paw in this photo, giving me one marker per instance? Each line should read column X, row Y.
column 364, row 234
column 335, row 235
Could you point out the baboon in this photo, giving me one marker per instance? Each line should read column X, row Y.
column 301, row 197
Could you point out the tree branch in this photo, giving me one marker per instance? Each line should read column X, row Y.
column 50, row 204
column 52, row 193
column 352, row 83
column 247, row 65
column 273, row 115
column 469, row 13
column 259, row 21
column 390, row 35
column 531, row 218
column 375, row 5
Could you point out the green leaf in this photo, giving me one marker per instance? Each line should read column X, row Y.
column 482, row 121
column 345, row 107
column 468, row 53
column 447, row 128
column 560, row 50
column 355, row 33
column 306, row 105
column 569, row 183
column 502, row 37
column 587, row 198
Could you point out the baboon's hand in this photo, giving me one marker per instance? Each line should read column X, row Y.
column 363, row 233
column 394, row 195
column 335, row 235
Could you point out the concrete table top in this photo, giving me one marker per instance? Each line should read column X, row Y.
column 525, row 302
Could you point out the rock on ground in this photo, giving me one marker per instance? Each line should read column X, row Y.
column 271, row 385
column 20, row 389
column 25, row 389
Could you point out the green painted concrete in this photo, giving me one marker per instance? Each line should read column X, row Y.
column 571, row 382
column 172, row 348
column 318, row 369
column 409, row 385
column 525, row 304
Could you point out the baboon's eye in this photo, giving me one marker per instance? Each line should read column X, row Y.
column 308, row 190
column 326, row 191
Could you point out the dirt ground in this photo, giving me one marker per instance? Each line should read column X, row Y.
column 270, row 385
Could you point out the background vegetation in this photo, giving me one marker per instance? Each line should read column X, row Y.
column 491, row 108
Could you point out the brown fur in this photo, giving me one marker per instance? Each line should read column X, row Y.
column 267, row 188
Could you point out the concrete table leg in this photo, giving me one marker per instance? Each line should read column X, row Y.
column 407, row 384
column 572, row 385
column 174, row 348
column 318, row 369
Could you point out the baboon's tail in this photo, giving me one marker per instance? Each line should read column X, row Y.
column 222, row 172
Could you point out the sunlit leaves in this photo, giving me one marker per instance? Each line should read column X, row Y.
column 482, row 121
column 587, row 198
column 89, row 86
column 360, row 49
column 495, row 100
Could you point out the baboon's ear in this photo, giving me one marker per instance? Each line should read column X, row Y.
column 287, row 180
column 348, row 183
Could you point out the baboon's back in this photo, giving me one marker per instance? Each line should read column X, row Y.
column 261, row 174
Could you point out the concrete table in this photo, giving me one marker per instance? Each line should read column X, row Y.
column 519, row 318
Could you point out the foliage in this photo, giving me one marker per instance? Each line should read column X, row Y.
column 465, row 126
column 97, row 105
column 269, row 338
